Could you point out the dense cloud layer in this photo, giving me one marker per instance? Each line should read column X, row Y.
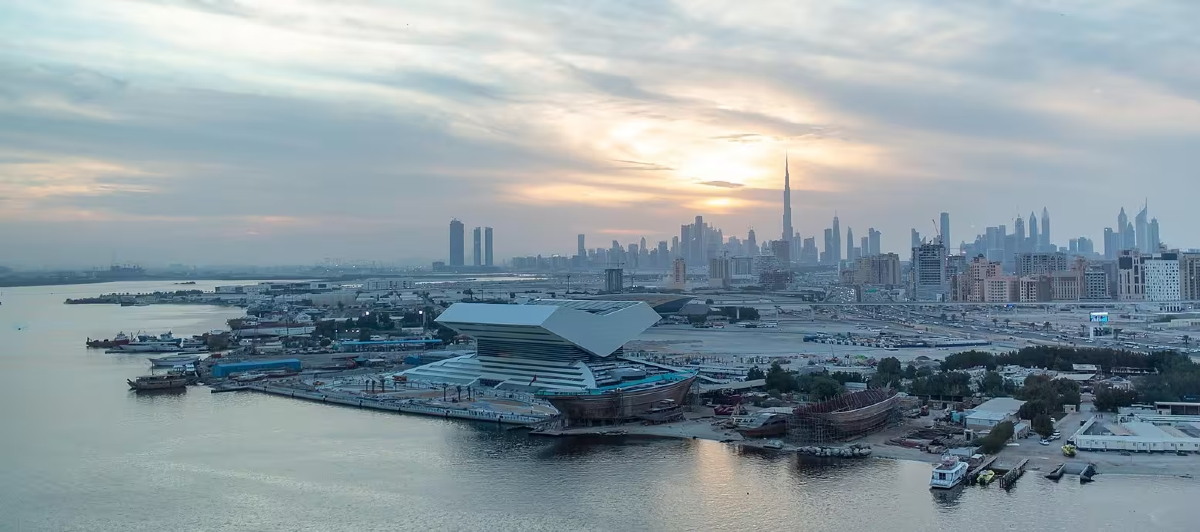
column 281, row 132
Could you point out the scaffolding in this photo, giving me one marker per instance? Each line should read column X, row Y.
column 845, row 417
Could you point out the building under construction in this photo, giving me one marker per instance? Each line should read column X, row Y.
column 845, row 417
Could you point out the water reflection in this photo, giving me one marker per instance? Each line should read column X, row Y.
column 946, row 499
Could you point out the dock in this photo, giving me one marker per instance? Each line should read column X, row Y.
column 1013, row 474
column 973, row 474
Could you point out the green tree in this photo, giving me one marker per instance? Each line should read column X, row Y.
column 1109, row 399
column 1043, row 426
column 708, row 301
column 364, row 335
column 993, row 384
column 444, row 333
column 780, row 379
column 825, row 388
column 889, row 365
column 1007, row 321
column 997, row 439
column 910, row 372
column 755, row 374
column 995, row 321
column 1047, row 326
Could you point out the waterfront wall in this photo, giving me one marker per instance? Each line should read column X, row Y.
column 406, row 407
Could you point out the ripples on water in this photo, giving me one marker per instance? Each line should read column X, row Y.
column 79, row 452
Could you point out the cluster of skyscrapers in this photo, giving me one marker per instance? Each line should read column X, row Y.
column 482, row 255
column 1029, row 268
column 1023, row 265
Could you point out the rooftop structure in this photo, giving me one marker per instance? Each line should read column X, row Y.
column 1006, row 405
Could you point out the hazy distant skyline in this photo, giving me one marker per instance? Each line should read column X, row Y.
column 277, row 132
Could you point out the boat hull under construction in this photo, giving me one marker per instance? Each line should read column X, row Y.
column 622, row 402
column 847, row 416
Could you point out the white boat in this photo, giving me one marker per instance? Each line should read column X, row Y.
column 948, row 473
column 163, row 343
column 193, row 345
column 171, row 361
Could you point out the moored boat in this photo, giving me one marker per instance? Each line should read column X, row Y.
column 948, row 473
column 986, row 477
column 119, row 339
column 158, row 382
column 171, row 361
column 163, row 343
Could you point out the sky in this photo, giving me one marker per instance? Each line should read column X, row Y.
column 294, row 131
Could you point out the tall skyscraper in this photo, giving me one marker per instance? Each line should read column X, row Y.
column 945, row 229
column 456, row 243
column 1111, row 245
column 1045, row 237
column 477, row 256
column 864, row 250
column 1019, row 232
column 837, row 241
column 1035, row 237
column 751, row 244
column 699, row 242
column 1142, row 230
column 928, row 271
column 849, row 243
column 487, row 246
column 873, row 239
column 788, row 232
column 685, row 241
column 1123, row 231
column 1152, row 239
column 830, row 245
column 916, row 238
column 580, row 250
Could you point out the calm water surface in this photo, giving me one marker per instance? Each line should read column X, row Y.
column 80, row 452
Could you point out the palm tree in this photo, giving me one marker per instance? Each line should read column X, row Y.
column 1047, row 326
column 1006, row 321
column 995, row 322
column 1186, row 339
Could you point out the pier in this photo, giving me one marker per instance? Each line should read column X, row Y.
column 402, row 406
column 1013, row 474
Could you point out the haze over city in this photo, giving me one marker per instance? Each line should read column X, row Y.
column 287, row 132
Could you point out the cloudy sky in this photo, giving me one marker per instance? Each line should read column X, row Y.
column 231, row 131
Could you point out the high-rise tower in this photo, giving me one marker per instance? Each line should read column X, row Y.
column 1142, row 229
column 487, row 246
column 787, row 202
column 1035, row 238
column 945, row 229
column 477, row 237
column 837, row 241
column 456, row 243
column 1044, row 241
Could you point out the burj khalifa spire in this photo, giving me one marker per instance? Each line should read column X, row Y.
column 788, row 233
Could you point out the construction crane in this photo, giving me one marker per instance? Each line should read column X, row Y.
column 937, row 231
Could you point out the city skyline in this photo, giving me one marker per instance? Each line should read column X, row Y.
column 618, row 120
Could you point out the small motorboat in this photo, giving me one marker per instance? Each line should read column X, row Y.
column 986, row 477
column 171, row 361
